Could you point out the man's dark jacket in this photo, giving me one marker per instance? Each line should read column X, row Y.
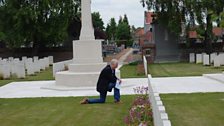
column 106, row 77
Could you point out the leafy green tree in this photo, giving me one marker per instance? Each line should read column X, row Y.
column 125, row 20
column 39, row 23
column 98, row 21
column 111, row 29
column 173, row 13
column 120, row 20
column 123, row 33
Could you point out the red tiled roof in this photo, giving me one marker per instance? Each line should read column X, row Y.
column 217, row 31
column 192, row 34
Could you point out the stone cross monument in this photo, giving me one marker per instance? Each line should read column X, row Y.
column 87, row 57
column 87, row 32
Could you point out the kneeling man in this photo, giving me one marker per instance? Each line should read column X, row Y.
column 106, row 82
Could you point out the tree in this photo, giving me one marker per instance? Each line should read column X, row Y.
column 120, row 20
column 222, row 20
column 111, row 29
column 125, row 20
column 97, row 21
column 41, row 22
column 123, row 33
column 173, row 13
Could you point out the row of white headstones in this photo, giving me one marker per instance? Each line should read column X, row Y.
column 26, row 66
column 216, row 59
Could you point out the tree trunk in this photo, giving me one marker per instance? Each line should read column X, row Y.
column 208, row 35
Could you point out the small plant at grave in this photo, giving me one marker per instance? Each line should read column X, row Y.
column 66, row 67
column 140, row 113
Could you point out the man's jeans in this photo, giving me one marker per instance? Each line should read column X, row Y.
column 103, row 96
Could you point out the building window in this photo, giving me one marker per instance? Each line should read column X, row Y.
column 148, row 52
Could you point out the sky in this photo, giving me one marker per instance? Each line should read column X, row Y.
column 117, row 8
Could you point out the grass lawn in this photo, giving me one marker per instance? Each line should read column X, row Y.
column 181, row 69
column 130, row 71
column 62, row 112
column 205, row 109
column 44, row 75
column 170, row 70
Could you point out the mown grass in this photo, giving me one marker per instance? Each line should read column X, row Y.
column 200, row 109
column 130, row 71
column 181, row 69
column 62, row 112
column 170, row 70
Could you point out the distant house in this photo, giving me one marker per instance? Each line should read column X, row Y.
column 160, row 45
column 139, row 37
column 217, row 32
column 147, row 45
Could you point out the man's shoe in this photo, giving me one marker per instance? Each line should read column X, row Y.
column 84, row 101
column 117, row 102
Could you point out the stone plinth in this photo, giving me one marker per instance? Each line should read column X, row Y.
column 86, row 67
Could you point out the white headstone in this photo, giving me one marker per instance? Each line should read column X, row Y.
column 203, row 55
column 0, row 58
column 30, row 68
column 10, row 59
column 47, row 63
column 198, row 58
column 42, row 64
column 217, row 62
column 206, row 60
column 20, row 70
column 12, row 67
column 192, row 58
column 29, row 60
column 5, row 70
column 221, row 57
column 24, row 58
column 212, row 57
column 16, row 60
column 35, row 58
column 51, row 60
column 37, row 66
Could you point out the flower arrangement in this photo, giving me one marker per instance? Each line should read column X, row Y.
column 140, row 113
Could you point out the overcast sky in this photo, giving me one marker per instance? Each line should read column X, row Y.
column 115, row 8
